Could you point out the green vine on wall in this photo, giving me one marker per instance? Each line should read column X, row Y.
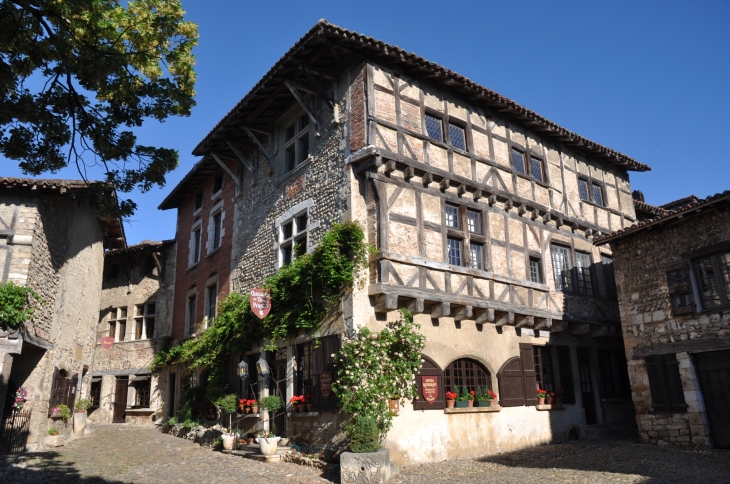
column 300, row 293
column 15, row 306
column 375, row 367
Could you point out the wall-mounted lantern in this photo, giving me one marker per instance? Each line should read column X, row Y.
column 243, row 369
column 263, row 367
column 394, row 406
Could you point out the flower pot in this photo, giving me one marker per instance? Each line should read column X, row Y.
column 462, row 404
column 255, row 409
column 449, row 404
column 309, row 407
column 492, row 403
column 470, row 403
column 268, row 444
column 79, row 422
column 294, row 408
column 549, row 401
column 249, row 441
column 540, row 401
column 557, row 401
column 229, row 441
column 302, row 407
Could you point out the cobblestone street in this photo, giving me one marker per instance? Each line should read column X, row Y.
column 123, row 454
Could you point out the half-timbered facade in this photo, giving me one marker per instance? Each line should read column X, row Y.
column 483, row 214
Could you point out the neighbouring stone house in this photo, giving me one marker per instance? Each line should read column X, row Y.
column 136, row 313
column 483, row 214
column 204, row 200
column 673, row 279
column 52, row 239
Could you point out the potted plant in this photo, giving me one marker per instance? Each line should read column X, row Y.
column 229, row 439
column 53, row 439
column 80, row 408
column 485, row 397
column 21, row 396
column 271, row 403
column 254, row 407
column 64, row 412
column 308, row 402
column 559, row 397
column 268, row 442
column 450, row 399
column 541, row 394
column 549, row 398
column 56, row 411
column 465, row 398
column 295, row 401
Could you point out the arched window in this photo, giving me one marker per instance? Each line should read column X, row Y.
column 466, row 373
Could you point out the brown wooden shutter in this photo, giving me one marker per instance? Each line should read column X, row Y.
column 430, row 368
column 511, row 383
column 675, row 390
column 528, row 369
column 52, row 400
column 659, row 398
column 565, row 367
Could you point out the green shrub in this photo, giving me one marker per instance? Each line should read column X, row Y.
column 52, row 431
column 218, row 442
column 271, row 403
column 364, row 434
column 172, row 421
column 14, row 304
column 229, row 403
column 65, row 412
column 82, row 404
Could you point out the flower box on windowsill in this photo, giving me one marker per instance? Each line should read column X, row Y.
column 472, row 410
column 554, row 406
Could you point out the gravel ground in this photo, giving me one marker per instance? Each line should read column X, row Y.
column 125, row 454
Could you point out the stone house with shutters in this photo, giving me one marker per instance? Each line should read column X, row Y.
column 483, row 214
column 673, row 278
column 52, row 239
column 136, row 313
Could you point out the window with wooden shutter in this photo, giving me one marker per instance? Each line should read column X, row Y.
column 667, row 394
column 429, row 368
column 322, row 361
column 680, row 290
column 528, row 369
column 511, row 383
column 565, row 367
column 466, row 373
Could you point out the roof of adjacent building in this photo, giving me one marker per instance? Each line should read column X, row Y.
column 640, row 206
column 315, row 49
column 143, row 246
column 685, row 209
column 113, row 229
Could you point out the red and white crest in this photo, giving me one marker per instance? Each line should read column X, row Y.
column 260, row 302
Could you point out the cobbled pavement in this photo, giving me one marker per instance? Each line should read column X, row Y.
column 126, row 454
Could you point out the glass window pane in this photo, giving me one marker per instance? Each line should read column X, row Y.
column 452, row 216
column 597, row 194
column 583, row 189
column 535, row 270
column 456, row 136
column 286, row 231
column 454, row 252
column 707, row 279
column 475, row 255
column 474, row 221
column 303, row 121
column 286, row 253
column 303, row 148
column 301, row 221
column 433, row 128
column 724, row 261
column 518, row 161
column 585, row 283
column 289, row 132
column 290, row 159
column 537, row 169
column 217, row 230
column 561, row 268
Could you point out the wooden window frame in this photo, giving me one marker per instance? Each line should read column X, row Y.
column 565, row 372
column 722, row 292
column 320, row 359
column 191, row 308
column 299, row 235
column 591, row 184
column 459, row 125
column 665, row 383
column 440, row 119
column 219, row 183
column 465, row 235
column 301, row 131
column 538, row 261
column 544, row 367
column 429, row 368
column 527, row 159
column 470, row 376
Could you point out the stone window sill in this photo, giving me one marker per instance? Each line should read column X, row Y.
column 558, row 406
column 140, row 410
column 472, row 410
column 248, row 415
column 304, row 415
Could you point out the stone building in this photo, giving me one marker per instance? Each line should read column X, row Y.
column 204, row 200
column 136, row 313
column 483, row 214
column 673, row 279
column 52, row 239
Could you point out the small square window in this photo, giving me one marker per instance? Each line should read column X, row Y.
column 287, row 231
column 196, row 246
column 286, row 255
column 218, row 183
column 301, row 222
column 456, row 136
column 217, row 224
column 452, row 216
column 536, row 169
column 518, row 161
column 597, row 194
column 475, row 256
column 454, row 251
column 433, row 128
column 535, row 271
column 300, row 246
column 583, row 189
column 198, row 201
column 474, row 220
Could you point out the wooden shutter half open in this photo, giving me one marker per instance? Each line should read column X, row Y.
column 659, row 398
column 528, row 369
column 674, row 383
column 430, row 368
column 511, row 383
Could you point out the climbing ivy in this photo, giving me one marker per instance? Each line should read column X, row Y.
column 300, row 292
column 14, row 304
column 375, row 367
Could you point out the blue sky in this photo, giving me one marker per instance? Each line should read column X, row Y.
column 649, row 79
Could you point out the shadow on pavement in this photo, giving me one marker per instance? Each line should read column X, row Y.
column 624, row 457
column 41, row 467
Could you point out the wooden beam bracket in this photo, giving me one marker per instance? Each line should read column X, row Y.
column 386, row 302
column 317, row 87
column 440, row 310
column 264, row 151
column 225, row 168
column 307, row 109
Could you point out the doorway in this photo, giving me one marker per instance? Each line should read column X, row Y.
column 586, row 386
column 277, row 386
column 713, row 372
column 120, row 399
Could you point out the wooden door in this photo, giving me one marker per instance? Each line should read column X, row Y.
column 713, row 371
column 586, row 386
column 120, row 400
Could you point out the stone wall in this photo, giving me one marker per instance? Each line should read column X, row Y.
column 649, row 327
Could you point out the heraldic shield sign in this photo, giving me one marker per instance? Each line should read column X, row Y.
column 260, row 302
column 106, row 342
column 429, row 388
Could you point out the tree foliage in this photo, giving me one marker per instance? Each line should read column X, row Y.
column 15, row 306
column 77, row 76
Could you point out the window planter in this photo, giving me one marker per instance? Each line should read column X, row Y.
column 473, row 410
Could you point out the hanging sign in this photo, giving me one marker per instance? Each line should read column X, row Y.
column 325, row 383
column 106, row 342
column 260, row 302
column 430, row 388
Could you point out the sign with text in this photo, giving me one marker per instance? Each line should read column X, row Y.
column 325, row 383
column 106, row 342
column 260, row 302
column 430, row 388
